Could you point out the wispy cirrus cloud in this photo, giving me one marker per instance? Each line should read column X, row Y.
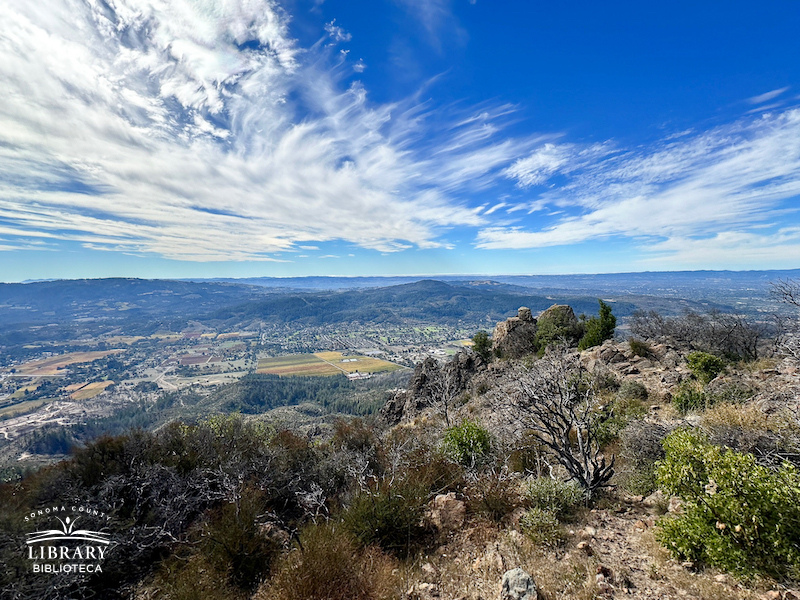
column 201, row 131
column 715, row 185
column 767, row 96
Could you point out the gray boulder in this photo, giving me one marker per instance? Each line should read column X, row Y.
column 517, row 585
column 516, row 336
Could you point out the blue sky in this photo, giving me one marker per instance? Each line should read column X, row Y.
column 207, row 138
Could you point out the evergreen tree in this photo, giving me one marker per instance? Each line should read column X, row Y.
column 599, row 329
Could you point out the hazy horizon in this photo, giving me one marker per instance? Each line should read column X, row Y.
column 457, row 276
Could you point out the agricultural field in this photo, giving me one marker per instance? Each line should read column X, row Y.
column 126, row 340
column 85, row 391
column 296, row 364
column 52, row 365
column 324, row 364
column 351, row 363
column 22, row 407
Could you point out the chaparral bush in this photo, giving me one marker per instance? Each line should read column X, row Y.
column 737, row 515
column 705, row 366
column 468, row 444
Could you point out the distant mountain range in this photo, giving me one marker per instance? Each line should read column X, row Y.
column 68, row 309
column 674, row 283
column 420, row 301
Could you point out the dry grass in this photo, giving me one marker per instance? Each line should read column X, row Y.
column 700, row 585
column 20, row 393
column 761, row 364
column 331, row 566
column 116, row 340
column 750, row 417
column 472, row 564
column 23, row 407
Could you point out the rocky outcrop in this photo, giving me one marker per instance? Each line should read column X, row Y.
column 660, row 371
column 516, row 336
column 431, row 378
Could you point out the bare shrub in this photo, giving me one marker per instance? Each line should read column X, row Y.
column 725, row 334
column 554, row 398
column 771, row 438
column 788, row 342
column 641, row 447
column 493, row 495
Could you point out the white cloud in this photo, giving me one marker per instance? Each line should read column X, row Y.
column 199, row 130
column 766, row 97
column 360, row 66
column 438, row 20
column 336, row 33
column 728, row 179
column 726, row 250
column 495, row 208
column 539, row 166
column 550, row 159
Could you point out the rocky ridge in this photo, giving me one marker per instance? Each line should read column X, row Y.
column 610, row 548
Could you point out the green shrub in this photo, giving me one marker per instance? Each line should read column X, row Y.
column 640, row 348
column 689, row 398
column 192, row 577
column 705, row 366
column 389, row 518
column 468, row 444
column 626, row 407
column 559, row 497
column 541, row 526
column 605, row 381
column 329, row 565
column 737, row 515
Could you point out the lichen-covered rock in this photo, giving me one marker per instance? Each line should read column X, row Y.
column 516, row 336
column 517, row 585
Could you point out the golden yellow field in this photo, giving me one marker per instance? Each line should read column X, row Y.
column 351, row 363
column 296, row 364
column 323, row 364
column 51, row 366
column 228, row 336
column 89, row 390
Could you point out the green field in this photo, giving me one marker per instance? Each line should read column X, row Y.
column 23, row 407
